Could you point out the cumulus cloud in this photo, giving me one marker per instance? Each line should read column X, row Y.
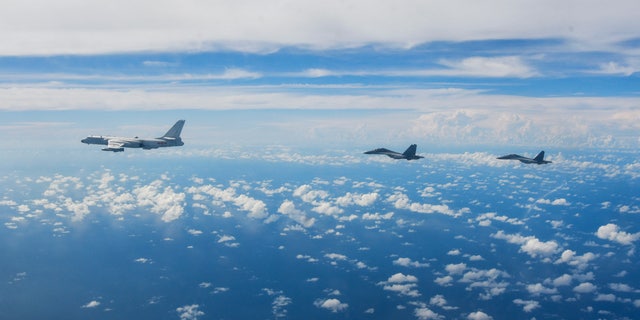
column 399, row 278
column 444, row 281
column 189, row 312
column 456, row 268
column 585, row 287
column 278, row 306
column 478, row 315
column 484, row 219
column 288, row 208
column 256, row 209
column 377, row 216
column 538, row 289
column 402, row 201
column 404, row 285
column 407, row 262
column 164, row 201
column 527, row 305
column 530, row 244
column 363, row 200
column 612, row 232
column 335, row 256
column 490, row 281
column 563, row 280
column 581, row 262
column 425, row 313
column 334, row 305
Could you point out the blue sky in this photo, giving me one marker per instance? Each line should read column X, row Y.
column 528, row 73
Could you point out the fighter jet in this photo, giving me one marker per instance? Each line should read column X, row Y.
column 539, row 159
column 409, row 154
column 117, row 144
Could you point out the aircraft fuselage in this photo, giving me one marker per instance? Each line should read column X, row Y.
column 135, row 142
column 117, row 144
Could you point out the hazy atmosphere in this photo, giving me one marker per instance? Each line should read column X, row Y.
column 271, row 209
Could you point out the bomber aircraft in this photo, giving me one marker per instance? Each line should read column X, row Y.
column 409, row 154
column 539, row 159
column 117, row 144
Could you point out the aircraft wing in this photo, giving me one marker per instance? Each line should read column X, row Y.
column 115, row 144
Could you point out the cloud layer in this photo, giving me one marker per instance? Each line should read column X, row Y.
column 70, row 27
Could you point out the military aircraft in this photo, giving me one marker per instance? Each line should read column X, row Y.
column 409, row 154
column 117, row 144
column 539, row 159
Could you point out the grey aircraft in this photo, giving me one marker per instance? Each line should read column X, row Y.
column 539, row 159
column 409, row 154
column 117, row 144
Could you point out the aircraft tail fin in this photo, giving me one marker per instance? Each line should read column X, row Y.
column 411, row 151
column 175, row 131
column 539, row 157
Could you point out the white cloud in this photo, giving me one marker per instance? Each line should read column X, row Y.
column 444, row 281
column 622, row 287
column 585, row 287
column 92, row 304
column 189, row 312
column 226, row 238
column 278, row 306
column 363, row 200
column 404, row 285
column 399, row 278
column 288, row 208
column 569, row 257
column 530, row 244
column 538, row 288
column 407, row 262
column 458, row 268
column 425, row 313
column 563, row 280
column 488, row 280
column 259, row 27
column 307, row 194
column 612, row 232
column 485, row 219
column 527, row 305
column 256, row 209
column 334, row 305
column 535, row 247
column 402, row 201
column 164, row 201
column 605, row 297
column 377, row 216
column 479, row 315
column 511, row 66
column 335, row 256
column 327, row 208
column 555, row 202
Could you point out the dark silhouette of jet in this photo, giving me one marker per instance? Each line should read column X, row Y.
column 539, row 159
column 409, row 154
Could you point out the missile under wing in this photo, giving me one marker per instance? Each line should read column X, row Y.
column 117, row 144
column 539, row 159
column 409, row 154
